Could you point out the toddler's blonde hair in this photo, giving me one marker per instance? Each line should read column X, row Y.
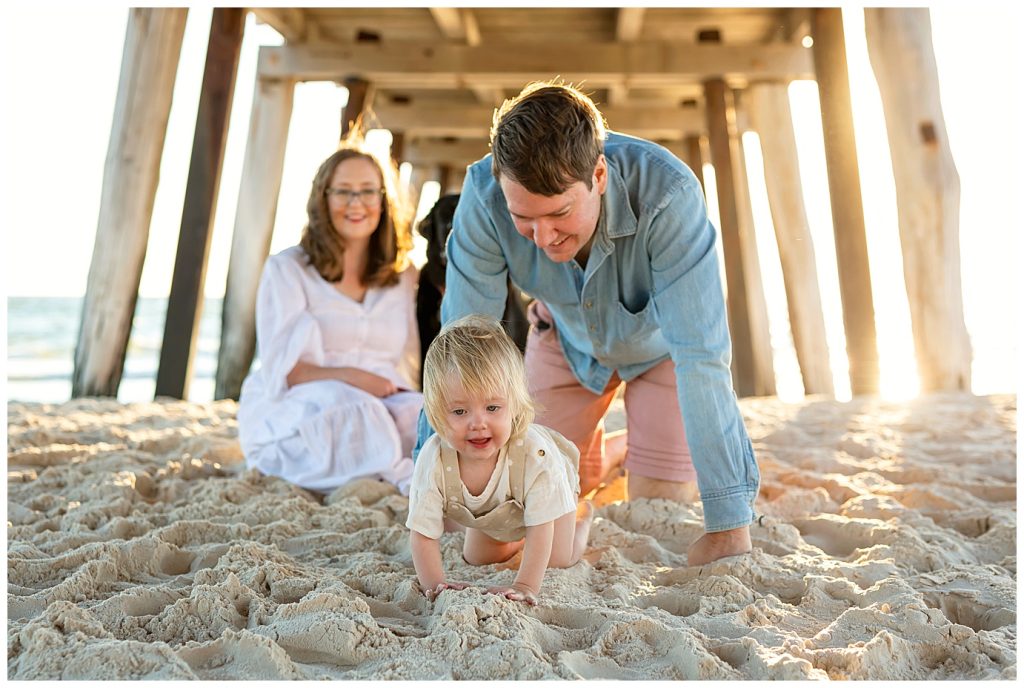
column 477, row 352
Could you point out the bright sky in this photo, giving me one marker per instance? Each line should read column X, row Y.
column 61, row 92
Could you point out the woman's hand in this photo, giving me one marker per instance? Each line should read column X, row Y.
column 369, row 382
column 517, row 592
column 357, row 377
column 432, row 593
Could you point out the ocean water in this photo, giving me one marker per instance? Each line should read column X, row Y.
column 42, row 333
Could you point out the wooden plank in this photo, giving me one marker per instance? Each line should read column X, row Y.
column 927, row 192
column 772, row 119
column 459, row 24
column 149, row 65
column 724, row 152
column 845, row 196
column 464, row 151
column 628, row 23
column 185, row 305
column 254, row 227
column 291, row 22
column 426, row 152
column 437, row 121
column 648, row 64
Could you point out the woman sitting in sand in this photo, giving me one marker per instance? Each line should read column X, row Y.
column 512, row 484
column 333, row 399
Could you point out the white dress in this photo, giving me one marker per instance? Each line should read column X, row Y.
column 325, row 433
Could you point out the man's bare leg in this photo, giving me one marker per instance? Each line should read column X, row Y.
column 637, row 486
column 712, row 546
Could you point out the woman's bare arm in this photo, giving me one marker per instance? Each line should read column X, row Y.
column 368, row 382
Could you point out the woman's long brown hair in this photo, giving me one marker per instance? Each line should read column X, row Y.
column 391, row 241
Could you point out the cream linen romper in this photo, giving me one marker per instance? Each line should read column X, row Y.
column 505, row 522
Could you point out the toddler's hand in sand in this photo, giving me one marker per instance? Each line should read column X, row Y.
column 432, row 593
column 516, row 593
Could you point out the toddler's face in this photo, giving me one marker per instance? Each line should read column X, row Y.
column 477, row 427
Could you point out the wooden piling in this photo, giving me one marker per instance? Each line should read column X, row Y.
column 185, row 305
column 927, row 192
column 360, row 94
column 254, row 226
column 772, row 118
column 149, row 65
column 845, row 196
column 721, row 119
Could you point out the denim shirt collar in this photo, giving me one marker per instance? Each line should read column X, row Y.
column 616, row 214
column 616, row 220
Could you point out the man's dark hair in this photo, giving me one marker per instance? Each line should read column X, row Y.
column 547, row 138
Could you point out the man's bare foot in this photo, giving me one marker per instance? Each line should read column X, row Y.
column 584, row 519
column 591, row 477
column 713, row 546
column 637, row 486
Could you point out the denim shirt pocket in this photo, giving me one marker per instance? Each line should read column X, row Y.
column 642, row 317
column 635, row 337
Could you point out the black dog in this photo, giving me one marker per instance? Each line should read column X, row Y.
column 435, row 228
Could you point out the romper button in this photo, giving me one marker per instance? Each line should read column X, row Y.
column 449, row 469
column 540, row 452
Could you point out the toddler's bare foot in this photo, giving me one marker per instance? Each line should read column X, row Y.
column 713, row 546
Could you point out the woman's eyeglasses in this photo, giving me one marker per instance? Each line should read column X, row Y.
column 370, row 198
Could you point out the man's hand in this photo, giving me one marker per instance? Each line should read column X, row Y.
column 517, row 592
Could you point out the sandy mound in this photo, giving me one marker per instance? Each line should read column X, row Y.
column 139, row 546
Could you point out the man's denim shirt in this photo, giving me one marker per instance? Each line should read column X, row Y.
column 651, row 290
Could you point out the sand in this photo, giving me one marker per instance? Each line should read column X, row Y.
column 140, row 547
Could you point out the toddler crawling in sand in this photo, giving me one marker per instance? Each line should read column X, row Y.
column 512, row 484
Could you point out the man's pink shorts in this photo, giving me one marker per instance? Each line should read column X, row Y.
column 656, row 440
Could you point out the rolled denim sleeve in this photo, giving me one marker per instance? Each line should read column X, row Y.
column 476, row 278
column 690, row 309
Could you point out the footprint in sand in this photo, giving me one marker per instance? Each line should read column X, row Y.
column 239, row 653
column 838, row 536
column 983, row 598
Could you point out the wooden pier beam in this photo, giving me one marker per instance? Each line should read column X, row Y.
column 761, row 341
column 927, row 192
column 360, row 94
column 721, row 125
column 845, row 196
column 149, row 65
column 694, row 156
column 254, row 226
column 185, row 305
column 772, row 118
column 455, row 181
